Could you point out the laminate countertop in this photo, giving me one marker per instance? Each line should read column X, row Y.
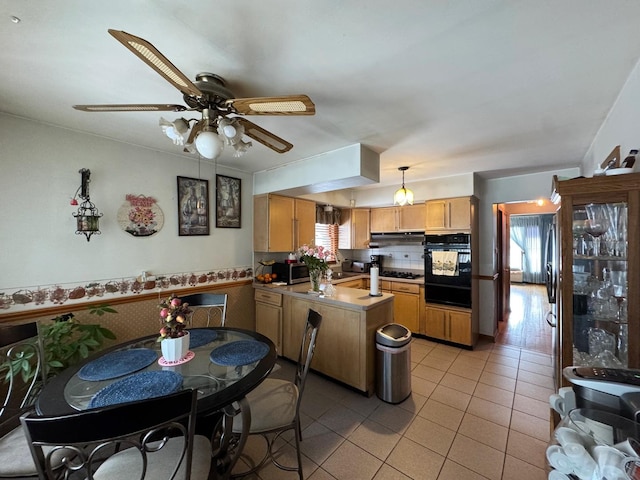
column 353, row 298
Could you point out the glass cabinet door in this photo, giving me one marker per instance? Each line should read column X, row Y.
column 599, row 269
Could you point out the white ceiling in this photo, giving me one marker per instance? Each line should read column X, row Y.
column 445, row 87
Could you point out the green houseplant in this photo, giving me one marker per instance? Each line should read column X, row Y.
column 65, row 342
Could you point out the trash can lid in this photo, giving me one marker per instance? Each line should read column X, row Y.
column 393, row 335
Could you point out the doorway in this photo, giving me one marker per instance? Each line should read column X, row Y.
column 522, row 304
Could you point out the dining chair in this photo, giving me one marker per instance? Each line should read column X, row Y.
column 213, row 303
column 20, row 351
column 148, row 439
column 274, row 405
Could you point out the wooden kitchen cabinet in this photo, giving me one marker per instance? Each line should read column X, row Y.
column 351, row 283
column 282, row 224
column 450, row 215
column 345, row 347
column 354, row 232
column 384, row 220
column 269, row 316
column 406, row 302
column 449, row 323
column 410, row 218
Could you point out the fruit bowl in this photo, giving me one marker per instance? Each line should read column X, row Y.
column 265, row 278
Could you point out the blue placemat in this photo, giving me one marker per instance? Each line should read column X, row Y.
column 138, row 386
column 201, row 336
column 238, row 353
column 117, row 364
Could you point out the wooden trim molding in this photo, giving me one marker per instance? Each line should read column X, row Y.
column 53, row 311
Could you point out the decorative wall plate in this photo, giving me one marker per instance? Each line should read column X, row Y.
column 140, row 216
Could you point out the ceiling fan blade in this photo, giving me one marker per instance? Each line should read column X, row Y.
column 131, row 108
column 156, row 60
column 288, row 105
column 265, row 137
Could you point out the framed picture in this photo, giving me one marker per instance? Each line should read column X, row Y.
column 227, row 202
column 193, row 206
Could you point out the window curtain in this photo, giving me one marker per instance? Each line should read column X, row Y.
column 327, row 216
column 327, row 222
column 529, row 233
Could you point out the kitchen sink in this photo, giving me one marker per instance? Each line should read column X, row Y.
column 338, row 275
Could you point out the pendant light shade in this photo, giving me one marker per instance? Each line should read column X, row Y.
column 209, row 144
column 403, row 196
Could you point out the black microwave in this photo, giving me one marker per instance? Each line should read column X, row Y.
column 291, row 272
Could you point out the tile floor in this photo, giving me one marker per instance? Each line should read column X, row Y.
column 480, row 414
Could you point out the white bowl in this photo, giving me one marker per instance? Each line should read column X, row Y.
column 619, row 171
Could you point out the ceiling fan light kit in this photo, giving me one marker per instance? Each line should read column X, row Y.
column 175, row 130
column 209, row 144
column 209, row 95
column 403, row 196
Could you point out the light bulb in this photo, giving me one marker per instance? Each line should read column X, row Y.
column 209, row 144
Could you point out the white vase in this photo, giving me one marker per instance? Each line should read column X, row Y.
column 174, row 349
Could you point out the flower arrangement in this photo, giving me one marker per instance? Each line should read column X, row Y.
column 314, row 257
column 173, row 315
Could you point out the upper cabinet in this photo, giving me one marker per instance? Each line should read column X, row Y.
column 282, row 224
column 409, row 218
column 354, row 229
column 450, row 214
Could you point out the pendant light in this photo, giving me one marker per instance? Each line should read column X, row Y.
column 403, row 195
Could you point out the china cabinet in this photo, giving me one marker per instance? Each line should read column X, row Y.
column 599, row 280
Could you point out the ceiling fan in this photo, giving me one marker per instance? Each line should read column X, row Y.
column 208, row 94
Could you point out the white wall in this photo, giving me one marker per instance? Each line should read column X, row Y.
column 39, row 175
column 504, row 190
column 456, row 186
column 619, row 128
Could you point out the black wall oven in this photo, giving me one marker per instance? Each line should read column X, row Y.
column 447, row 269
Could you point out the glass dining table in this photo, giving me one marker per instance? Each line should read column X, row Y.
column 223, row 365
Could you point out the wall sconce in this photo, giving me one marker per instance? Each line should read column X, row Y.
column 87, row 216
column 403, row 195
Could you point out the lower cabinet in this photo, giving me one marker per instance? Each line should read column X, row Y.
column 345, row 347
column 351, row 283
column 406, row 303
column 449, row 323
column 269, row 316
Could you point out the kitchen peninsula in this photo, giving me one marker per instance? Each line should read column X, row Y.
column 345, row 349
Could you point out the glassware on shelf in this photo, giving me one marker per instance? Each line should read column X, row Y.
column 579, row 229
column 597, row 224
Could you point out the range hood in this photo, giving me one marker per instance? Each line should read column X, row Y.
column 396, row 238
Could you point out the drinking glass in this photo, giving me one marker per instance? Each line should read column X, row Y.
column 597, row 224
column 579, row 229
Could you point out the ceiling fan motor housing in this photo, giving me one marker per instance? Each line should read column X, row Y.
column 215, row 92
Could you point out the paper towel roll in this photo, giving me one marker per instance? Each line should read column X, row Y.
column 373, row 280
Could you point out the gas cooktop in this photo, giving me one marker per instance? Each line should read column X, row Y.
column 394, row 274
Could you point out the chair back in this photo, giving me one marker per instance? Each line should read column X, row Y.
column 142, row 439
column 307, row 348
column 20, row 352
column 213, row 303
